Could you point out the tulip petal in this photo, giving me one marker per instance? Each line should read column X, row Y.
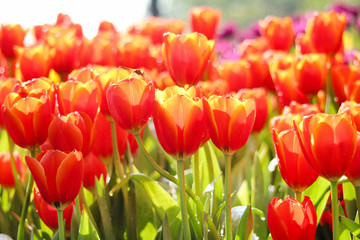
column 38, row 174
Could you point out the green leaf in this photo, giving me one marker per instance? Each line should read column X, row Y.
column 350, row 200
column 344, row 232
column 352, row 226
column 319, row 193
column 86, row 229
column 166, row 228
column 243, row 221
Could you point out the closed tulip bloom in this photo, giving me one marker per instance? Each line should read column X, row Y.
column 6, row 174
column 236, row 74
column 130, row 103
column 191, row 51
column 93, row 168
column 75, row 131
column 290, row 219
column 326, row 31
column 179, row 124
column 353, row 171
column 328, row 143
column 27, row 118
column 205, row 20
column 230, row 121
column 58, row 176
column 260, row 97
column 311, row 72
column 48, row 213
column 354, row 109
column 344, row 79
column 77, row 96
column 6, row 87
column 293, row 167
column 279, row 32
column 10, row 36
column 35, row 61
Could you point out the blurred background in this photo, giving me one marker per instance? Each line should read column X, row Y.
column 123, row 13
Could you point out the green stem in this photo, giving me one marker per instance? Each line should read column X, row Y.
column 298, row 196
column 196, row 174
column 104, row 212
column 335, row 210
column 330, row 105
column 87, row 209
column 131, row 211
column 117, row 160
column 210, row 166
column 171, row 178
column 183, row 203
column 61, row 224
column 24, row 210
column 228, row 223
column 77, row 207
column 357, row 192
column 18, row 185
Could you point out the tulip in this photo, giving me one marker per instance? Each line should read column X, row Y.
column 353, row 109
column 6, row 173
column 93, row 168
column 58, row 176
column 344, row 79
column 230, row 121
column 6, row 86
column 326, row 30
column 34, row 61
column 12, row 35
column 236, row 74
column 259, row 71
column 77, row 96
column 48, row 214
column 353, row 171
column 27, row 119
column 192, row 52
column 106, row 26
column 293, row 167
column 279, row 32
column 260, row 97
column 130, row 103
column 291, row 219
column 205, row 20
column 311, row 73
column 75, row 131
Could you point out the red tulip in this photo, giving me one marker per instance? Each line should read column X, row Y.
column 353, row 109
column 12, row 35
column 353, row 171
column 75, row 131
column 93, row 168
column 345, row 80
column 130, row 103
column 192, row 52
column 205, row 20
column 236, row 74
column 290, row 219
column 6, row 174
column 279, row 32
column 180, row 124
column 48, row 214
column 230, row 121
column 58, row 176
column 328, row 143
column 27, row 118
column 293, row 167
column 6, row 86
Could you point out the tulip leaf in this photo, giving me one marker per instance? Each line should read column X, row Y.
column 242, row 222
column 352, row 226
column 166, row 233
column 350, row 199
column 344, row 232
column 319, row 193
column 87, row 230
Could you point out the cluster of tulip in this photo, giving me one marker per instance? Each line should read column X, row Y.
column 81, row 109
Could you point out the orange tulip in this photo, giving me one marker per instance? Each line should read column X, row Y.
column 75, row 131
column 27, row 118
column 205, row 20
column 279, row 32
column 293, row 167
column 58, row 176
column 311, row 72
column 261, row 103
column 259, row 71
column 230, row 121
column 34, row 61
column 48, row 214
column 191, row 51
column 325, row 31
column 354, row 109
column 6, row 87
column 130, row 103
column 236, row 74
column 11, row 35
column 77, row 96
column 179, row 124
column 6, row 174
column 345, row 80
column 328, row 143
column 353, row 171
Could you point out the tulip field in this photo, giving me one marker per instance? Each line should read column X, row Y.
column 179, row 129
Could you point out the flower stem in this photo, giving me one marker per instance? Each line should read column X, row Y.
column 357, row 192
column 183, row 203
column 298, row 196
column 18, row 185
column 335, row 210
column 61, row 224
column 24, row 210
column 118, row 165
column 87, row 209
column 228, row 223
